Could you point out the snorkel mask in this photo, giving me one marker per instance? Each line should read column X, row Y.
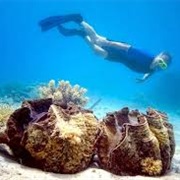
column 162, row 60
column 162, row 64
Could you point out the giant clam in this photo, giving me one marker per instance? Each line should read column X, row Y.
column 55, row 137
column 131, row 143
column 64, row 138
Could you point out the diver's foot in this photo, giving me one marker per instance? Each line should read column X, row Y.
column 71, row 32
column 71, row 17
column 77, row 18
column 54, row 21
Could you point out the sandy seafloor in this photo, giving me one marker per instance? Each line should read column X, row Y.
column 11, row 170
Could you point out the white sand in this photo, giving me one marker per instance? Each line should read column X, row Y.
column 10, row 170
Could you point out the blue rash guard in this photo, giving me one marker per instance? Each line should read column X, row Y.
column 135, row 59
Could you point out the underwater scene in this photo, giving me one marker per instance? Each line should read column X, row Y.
column 89, row 89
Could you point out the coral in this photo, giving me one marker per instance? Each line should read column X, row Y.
column 64, row 92
column 133, row 143
column 5, row 112
column 15, row 92
column 55, row 137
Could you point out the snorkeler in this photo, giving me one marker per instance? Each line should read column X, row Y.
column 115, row 51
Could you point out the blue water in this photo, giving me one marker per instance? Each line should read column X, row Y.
column 27, row 55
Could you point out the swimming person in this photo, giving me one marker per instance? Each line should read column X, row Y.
column 115, row 51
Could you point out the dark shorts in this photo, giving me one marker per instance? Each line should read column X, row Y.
column 137, row 60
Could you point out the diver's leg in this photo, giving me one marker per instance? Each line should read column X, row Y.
column 97, row 49
column 95, row 41
column 71, row 32
column 100, row 51
column 95, row 38
column 80, row 32
column 100, row 40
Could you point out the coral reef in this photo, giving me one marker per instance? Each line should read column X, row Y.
column 132, row 143
column 15, row 92
column 55, row 137
column 5, row 112
column 64, row 92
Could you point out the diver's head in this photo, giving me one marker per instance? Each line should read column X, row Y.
column 162, row 60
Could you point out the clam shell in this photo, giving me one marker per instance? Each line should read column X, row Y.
column 131, row 143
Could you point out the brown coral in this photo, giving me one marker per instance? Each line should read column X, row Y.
column 53, row 136
column 132, row 143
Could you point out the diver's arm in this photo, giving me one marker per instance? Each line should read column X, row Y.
column 145, row 77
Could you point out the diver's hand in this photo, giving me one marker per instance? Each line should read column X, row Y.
column 146, row 76
column 140, row 80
